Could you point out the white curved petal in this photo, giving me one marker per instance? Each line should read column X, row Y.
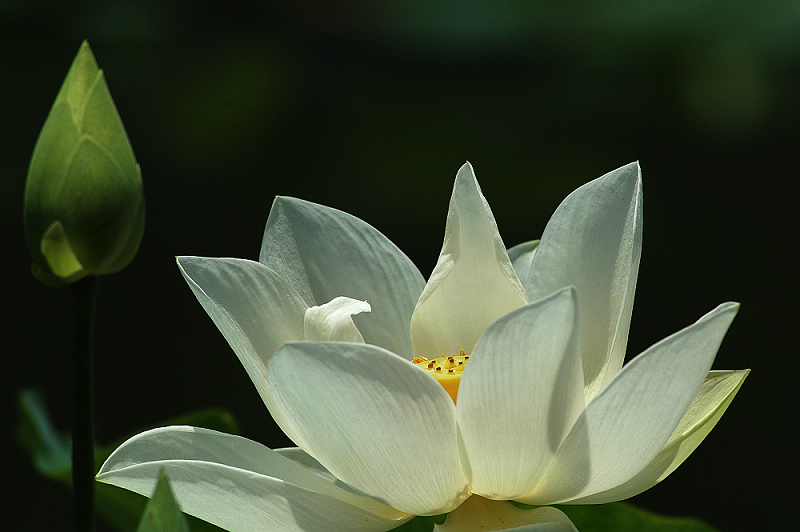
column 477, row 514
column 593, row 241
column 309, row 462
column 239, row 484
column 520, row 393
column 333, row 321
column 717, row 392
column 473, row 282
column 631, row 420
column 324, row 253
column 374, row 420
column 298, row 455
column 253, row 307
column 521, row 257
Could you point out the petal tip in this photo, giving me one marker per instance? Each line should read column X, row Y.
column 465, row 172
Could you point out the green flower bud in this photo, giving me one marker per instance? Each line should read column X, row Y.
column 84, row 206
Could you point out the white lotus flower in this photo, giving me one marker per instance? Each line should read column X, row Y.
column 331, row 325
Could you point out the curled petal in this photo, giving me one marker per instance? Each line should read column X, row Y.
column 238, row 484
column 477, row 514
column 593, row 242
column 374, row 420
column 473, row 283
column 333, row 321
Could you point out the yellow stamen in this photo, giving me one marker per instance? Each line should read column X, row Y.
column 446, row 369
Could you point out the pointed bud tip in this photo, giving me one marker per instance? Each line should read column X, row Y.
column 84, row 204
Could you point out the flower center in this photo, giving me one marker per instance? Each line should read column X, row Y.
column 446, row 369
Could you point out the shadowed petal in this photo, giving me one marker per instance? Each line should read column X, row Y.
column 628, row 424
column 593, row 241
column 717, row 392
column 301, row 457
column 254, row 308
column 324, row 253
column 241, row 485
column 473, row 282
column 520, row 394
column 477, row 514
column 521, row 257
column 374, row 420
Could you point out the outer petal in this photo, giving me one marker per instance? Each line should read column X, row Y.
column 374, row 420
column 254, row 308
column 324, row 253
column 717, row 392
column 301, row 457
column 631, row 420
column 333, row 321
column 241, row 485
column 521, row 257
column 593, row 241
column 473, row 282
column 520, row 394
column 478, row 514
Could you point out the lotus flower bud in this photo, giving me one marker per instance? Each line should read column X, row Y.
column 84, row 206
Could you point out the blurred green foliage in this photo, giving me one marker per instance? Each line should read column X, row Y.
column 624, row 517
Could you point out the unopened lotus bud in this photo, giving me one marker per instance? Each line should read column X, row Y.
column 84, row 206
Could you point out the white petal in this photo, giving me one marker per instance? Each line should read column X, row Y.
column 253, row 307
column 520, row 393
column 593, row 241
column 300, row 456
column 477, row 514
column 324, row 253
column 374, row 420
column 717, row 392
column 306, row 460
column 521, row 257
column 631, row 420
column 333, row 321
column 239, row 484
column 473, row 282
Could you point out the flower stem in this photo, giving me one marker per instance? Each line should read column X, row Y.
column 84, row 297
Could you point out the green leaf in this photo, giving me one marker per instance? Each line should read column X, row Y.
column 162, row 513
column 625, row 517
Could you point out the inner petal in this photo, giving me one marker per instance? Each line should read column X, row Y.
column 473, row 283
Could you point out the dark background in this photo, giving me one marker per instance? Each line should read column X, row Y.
column 372, row 109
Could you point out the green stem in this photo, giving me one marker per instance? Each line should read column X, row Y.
column 84, row 297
